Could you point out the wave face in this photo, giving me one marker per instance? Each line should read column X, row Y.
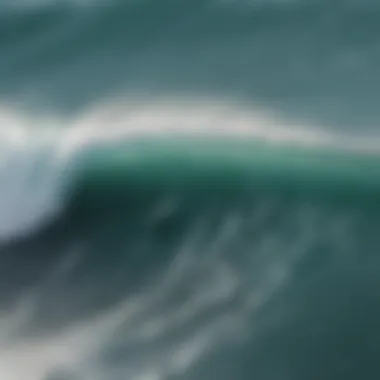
column 189, row 189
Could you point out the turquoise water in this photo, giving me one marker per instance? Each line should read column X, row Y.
column 189, row 190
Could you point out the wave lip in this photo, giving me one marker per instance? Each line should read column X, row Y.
column 42, row 161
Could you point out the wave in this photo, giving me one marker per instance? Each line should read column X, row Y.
column 172, row 255
column 42, row 163
column 189, row 189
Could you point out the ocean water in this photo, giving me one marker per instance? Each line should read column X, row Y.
column 189, row 190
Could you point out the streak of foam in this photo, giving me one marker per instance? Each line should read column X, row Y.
column 204, row 299
column 140, row 321
column 204, row 117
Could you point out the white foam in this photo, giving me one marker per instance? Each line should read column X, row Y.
column 201, row 117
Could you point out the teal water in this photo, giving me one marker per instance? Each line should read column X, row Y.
column 189, row 190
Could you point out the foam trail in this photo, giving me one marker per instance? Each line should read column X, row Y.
column 145, row 324
column 203, row 300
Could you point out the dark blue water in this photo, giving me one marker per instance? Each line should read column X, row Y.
column 189, row 190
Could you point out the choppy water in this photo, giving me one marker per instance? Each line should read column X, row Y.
column 189, row 190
